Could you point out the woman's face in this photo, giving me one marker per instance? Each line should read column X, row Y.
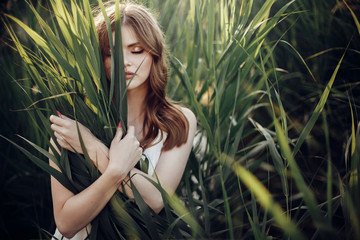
column 136, row 59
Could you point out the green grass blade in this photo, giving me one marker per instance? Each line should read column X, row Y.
column 354, row 16
column 319, row 107
column 111, row 45
column 205, row 204
column 181, row 210
column 210, row 30
column 33, row 72
column 267, row 202
column 329, row 176
column 199, row 113
column 120, row 82
column 276, row 157
column 146, row 213
column 130, row 227
column 307, row 194
column 228, row 215
column 44, row 165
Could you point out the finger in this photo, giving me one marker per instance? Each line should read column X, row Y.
column 61, row 142
column 118, row 135
column 64, row 144
column 56, row 128
column 139, row 152
column 54, row 118
column 58, row 136
column 58, row 120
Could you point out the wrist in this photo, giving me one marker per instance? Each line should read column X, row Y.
column 117, row 175
column 93, row 150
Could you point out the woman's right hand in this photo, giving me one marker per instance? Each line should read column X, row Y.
column 124, row 153
column 66, row 131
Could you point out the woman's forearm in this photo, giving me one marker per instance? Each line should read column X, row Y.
column 100, row 156
column 147, row 190
column 73, row 212
column 150, row 194
column 87, row 204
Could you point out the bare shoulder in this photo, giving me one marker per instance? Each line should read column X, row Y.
column 189, row 115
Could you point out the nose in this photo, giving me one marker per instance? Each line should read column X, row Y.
column 126, row 58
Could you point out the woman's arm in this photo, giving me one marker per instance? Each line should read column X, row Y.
column 66, row 133
column 169, row 169
column 73, row 212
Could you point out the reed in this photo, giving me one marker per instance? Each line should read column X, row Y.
column 265, row 162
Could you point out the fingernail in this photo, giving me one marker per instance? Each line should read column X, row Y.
column 119, row 126
column 58, row 113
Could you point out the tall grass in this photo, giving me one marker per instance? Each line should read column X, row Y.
column 21, row 206
column 251, row 173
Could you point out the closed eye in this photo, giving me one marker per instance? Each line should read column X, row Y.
column 138, row 51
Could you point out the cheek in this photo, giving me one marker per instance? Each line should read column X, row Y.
column 146, row 66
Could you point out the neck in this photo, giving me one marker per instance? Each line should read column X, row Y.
column 136, row 106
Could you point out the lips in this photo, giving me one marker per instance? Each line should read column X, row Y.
column 128, row 75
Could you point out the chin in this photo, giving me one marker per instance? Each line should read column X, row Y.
column 135, row 84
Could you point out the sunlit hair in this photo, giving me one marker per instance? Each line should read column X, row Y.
column 160, row 113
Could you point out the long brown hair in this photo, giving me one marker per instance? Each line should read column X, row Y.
column 160, row 114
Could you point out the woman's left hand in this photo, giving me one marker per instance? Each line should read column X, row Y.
column 67, row 135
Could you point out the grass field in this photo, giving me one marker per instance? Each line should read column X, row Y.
column 274, row 86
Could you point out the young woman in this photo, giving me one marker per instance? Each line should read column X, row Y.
column 156, row 128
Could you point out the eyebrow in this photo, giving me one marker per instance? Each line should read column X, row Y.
column 130, row 45
column 133, row 44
